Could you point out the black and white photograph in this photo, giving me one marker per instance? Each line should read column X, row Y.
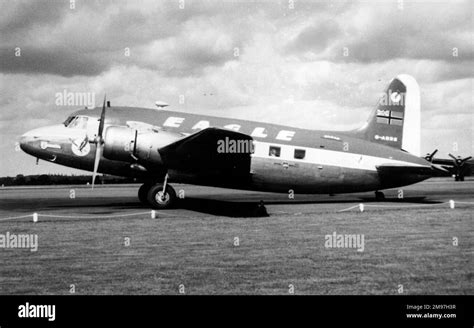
column 240, row 147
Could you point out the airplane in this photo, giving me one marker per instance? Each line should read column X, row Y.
column 159, row 147
column 457, row 167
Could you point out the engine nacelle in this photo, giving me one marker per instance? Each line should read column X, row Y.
column 129, row 145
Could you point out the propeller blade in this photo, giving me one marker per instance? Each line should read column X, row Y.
column 466, row 159
column 102, row 119
column 99, row 142
column 452, row 156
column 429, row 157
column 98, row 153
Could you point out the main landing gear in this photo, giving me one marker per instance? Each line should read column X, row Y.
column 458, row 177
column 159, row 195
column 379, row 195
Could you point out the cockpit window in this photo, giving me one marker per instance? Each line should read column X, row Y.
column 76, row 122
column 68, row 120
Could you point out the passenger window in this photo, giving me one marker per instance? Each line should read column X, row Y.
column 300, row 153
column 274, row 151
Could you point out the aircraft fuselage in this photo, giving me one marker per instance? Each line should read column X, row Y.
column 284, row 158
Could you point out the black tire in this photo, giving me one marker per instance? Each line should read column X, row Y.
column 143, row 193
column 158, row 202
column 379, row 195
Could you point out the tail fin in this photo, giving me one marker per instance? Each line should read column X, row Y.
column 395, row 122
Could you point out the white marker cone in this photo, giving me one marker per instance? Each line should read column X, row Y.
column 153, row 214
column 35, row 217
column 361, row 207
column 451, row 204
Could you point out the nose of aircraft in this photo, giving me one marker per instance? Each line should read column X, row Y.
column 27, row 139
column 36, row 141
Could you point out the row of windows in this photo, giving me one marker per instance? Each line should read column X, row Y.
column 276, row 151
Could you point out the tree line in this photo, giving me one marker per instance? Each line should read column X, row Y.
column 60, row 179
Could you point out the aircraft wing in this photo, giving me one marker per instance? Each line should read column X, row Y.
column 448, row 166
column 211, row 150
column 441, row 169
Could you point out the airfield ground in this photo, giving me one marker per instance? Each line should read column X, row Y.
column 408, row 242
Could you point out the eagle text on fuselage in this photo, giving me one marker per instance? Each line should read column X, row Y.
column 258, row 132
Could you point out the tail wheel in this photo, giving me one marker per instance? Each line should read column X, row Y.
column 143, row 193
column 159, row 199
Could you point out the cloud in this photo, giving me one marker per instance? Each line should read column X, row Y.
column 89, row 39
column 95, row 36
column 252, row 60
column 377, row 33
column 197, row 46
column 315, row 37
column 19, row 17
column 59, row 62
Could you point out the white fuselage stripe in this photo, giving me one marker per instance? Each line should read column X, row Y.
column 326, row 157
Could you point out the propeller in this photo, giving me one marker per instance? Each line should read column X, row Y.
column 429, row 157
column 459, row 166
column 99, row 142
column 458, row 161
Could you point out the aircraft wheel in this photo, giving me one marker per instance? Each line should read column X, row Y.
column 456, row 178
column 379, row 195
column 159, row 200
column 143, row 193
column 461, row 178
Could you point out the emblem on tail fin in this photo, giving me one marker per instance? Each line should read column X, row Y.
column 396, row 97
column 389, row 117
column 393, row 97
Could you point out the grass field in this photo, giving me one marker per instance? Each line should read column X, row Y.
column 410, row 247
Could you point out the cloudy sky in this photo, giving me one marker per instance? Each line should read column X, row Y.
column 281, row 62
